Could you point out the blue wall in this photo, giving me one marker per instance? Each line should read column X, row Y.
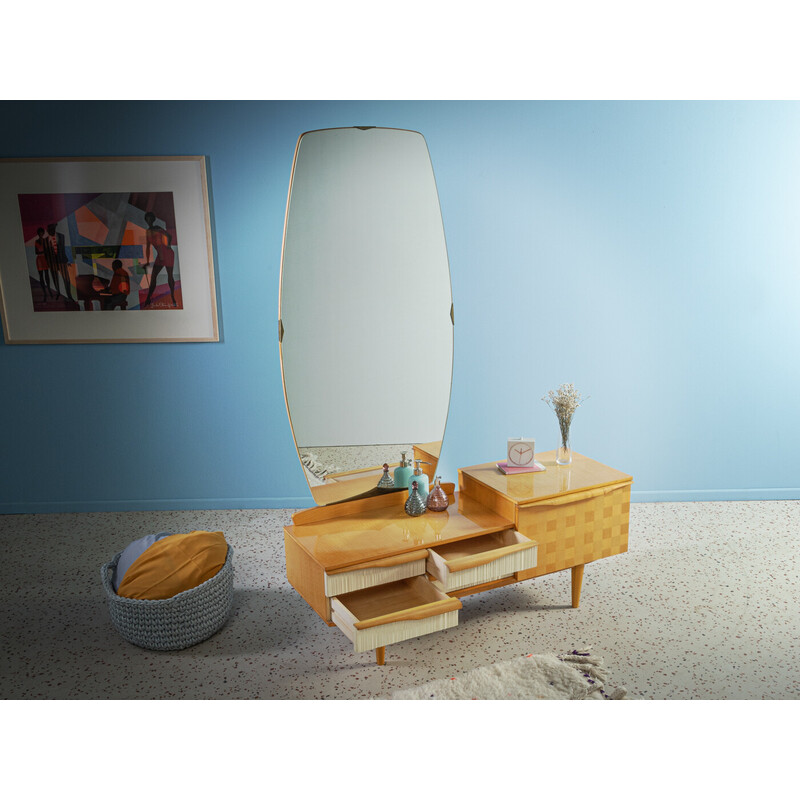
column 652, row 249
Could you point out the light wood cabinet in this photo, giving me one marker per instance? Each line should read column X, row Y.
column 383, row 577
column 576, row 514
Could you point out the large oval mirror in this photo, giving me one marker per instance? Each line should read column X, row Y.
column 366, row 320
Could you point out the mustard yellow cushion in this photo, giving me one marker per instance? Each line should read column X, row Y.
column 174, row 564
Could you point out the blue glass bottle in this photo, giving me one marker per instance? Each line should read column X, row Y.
column 403, row 473
column 421, row 478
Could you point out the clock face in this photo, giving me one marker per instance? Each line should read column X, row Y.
column 520, row 454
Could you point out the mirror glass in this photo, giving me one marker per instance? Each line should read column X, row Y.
column 365, row 308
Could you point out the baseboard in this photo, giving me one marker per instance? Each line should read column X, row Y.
column 712, row 495
column 235, row 503
column 189, row 504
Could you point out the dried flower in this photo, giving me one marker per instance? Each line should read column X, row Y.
column 564, row 402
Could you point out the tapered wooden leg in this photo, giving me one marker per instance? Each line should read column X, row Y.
column 577, row 581
column 380, row 656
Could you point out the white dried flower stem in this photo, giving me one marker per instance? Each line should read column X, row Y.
column 565, row 401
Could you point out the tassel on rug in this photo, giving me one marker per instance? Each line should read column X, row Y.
column 309, row 461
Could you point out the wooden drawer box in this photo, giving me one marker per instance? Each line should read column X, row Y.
column 576, row 528
column 393, row 612
column 374, row 573
column 471, row 562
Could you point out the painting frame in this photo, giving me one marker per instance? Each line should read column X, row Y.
column 183, row 271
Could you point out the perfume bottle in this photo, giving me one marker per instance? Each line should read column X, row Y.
column 437, row 499
column 415, row 505
column 421, row 478
column 402, row 474
column 386, row 481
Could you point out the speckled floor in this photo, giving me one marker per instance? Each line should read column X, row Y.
column 704, row 605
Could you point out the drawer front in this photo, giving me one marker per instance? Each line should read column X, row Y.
column 591, row 526
column 471, row 562
column 393, row 612
column 374, row 573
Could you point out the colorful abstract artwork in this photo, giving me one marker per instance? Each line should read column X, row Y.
column 101, row 252
column 128, row 235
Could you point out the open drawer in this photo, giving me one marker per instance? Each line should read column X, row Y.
column 470, row 562
column 393, row 612
column 373, row 573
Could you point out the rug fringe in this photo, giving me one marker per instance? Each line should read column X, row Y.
column 593, row 669
column 309, row 461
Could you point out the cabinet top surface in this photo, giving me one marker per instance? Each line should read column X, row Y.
column 431, row 449
column 368, row 535
column 582, row 474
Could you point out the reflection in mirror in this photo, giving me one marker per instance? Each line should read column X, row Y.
column 365, row 308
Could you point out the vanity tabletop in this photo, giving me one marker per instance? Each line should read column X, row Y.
column 529, row 487
column 380, row 532
column 431, row 449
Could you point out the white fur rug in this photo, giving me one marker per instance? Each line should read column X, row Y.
column 578, row 675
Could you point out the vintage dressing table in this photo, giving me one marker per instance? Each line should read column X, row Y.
column 364, row 269
column 383, row 577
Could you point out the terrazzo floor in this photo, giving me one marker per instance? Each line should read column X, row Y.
column 346, row 458
column 704, row 605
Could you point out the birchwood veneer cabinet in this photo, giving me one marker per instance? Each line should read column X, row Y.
column 383, row 577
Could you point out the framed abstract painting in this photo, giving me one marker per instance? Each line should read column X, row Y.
column 129, row 238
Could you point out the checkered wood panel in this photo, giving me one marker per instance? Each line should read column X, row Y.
column 576, row 533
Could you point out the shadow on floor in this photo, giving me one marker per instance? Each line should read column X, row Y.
column 263, row 621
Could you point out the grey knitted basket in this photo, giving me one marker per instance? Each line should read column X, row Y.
column 177, row 622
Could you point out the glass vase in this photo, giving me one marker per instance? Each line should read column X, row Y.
column 564, row 452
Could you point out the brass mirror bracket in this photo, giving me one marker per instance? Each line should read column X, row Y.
column 280, row 330
column 452, row 315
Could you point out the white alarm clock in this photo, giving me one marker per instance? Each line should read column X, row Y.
column 520, row 452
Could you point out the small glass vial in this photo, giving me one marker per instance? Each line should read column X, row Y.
column 437, row 499
column 386, row 481
column 415, row 504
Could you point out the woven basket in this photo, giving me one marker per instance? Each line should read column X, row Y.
column 177, row 622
